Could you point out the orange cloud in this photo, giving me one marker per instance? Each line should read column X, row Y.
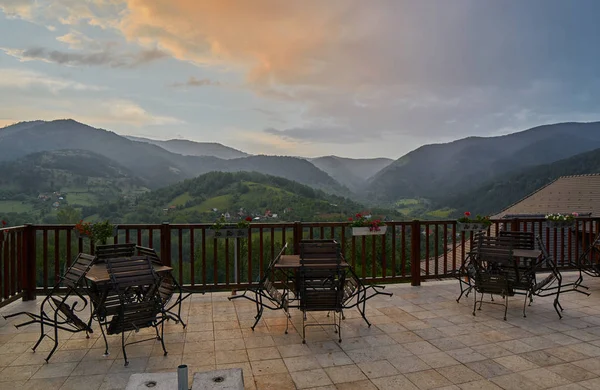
column 274, row 41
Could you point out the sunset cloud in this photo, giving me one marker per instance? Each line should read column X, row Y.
column 375, row 76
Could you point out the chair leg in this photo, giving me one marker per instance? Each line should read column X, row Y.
column 55, row 341
column 258, row 315
column 474, row 302
column 42, row 335
column 505, row 306
column 105, row 340
column 339, row 328
column 123, row 346
column 525, row 305
column 303, row 329
column 162, row 338
column 556, row 306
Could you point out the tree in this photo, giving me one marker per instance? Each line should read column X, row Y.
column 68, row 215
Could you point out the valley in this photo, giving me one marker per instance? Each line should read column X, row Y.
column 49, row 166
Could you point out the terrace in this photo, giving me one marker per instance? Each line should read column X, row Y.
column 420, row 338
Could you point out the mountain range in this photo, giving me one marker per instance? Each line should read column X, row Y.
column 191, row 148
column 439, row 170
column 437, row 173
column 155, row 165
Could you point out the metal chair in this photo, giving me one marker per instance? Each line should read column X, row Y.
column 321, row 289
column 55, row 312
column 135, row 312
column 168, row 286
column 552, row 284
column 266, row 295
column 353, row 287
column 589, row 261
column 495, row 271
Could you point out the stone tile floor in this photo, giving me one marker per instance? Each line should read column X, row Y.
column 420, row 339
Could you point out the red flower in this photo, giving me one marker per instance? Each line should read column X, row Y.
column 248, row 219
column 350, row 219
column 3, row 223
column 467, row 214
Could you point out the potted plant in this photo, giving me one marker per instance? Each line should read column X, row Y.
column 98, row 233
column 363, row 226
column 221, row 229
column 465, row 223
column 561, row 220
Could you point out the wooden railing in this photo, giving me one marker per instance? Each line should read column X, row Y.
column 33, row 256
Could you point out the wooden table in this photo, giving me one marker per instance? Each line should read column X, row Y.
column 98, row 274
column 527, row 253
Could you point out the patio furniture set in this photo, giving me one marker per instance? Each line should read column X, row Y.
column 510, row 264
column 126, row 288
column 318, row 279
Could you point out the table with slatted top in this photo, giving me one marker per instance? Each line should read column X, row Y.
column 527, row 253
column 98, row 274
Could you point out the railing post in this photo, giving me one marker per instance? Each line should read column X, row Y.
column 415, row 253
column 515, row 225
column 297, row 237
column 28, row 249
column 165, row 243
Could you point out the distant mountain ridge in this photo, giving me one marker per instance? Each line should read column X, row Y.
column 156, row 166
column 192, row 148
column 353, row 173
column 496, row 195
column 441, row 170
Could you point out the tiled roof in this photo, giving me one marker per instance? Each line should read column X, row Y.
column 567, row 194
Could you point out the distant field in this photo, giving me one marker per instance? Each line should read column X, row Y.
column 181, row 199
column 219, row 202
column 82, row 199
column 441, row 213
column 14, row 206
column 407, row 202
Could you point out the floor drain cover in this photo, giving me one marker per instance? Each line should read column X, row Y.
column 150, row 384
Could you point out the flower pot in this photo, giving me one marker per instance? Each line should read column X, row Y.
column 227, row 233
column 472, row 226
column 366, row 231
column 560, row 224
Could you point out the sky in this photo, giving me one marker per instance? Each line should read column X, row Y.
column 353, row 78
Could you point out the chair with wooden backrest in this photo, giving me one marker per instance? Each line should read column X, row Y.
column 321, row 289
column 104, row 252
column 266, row 294
column 134, row 312
column 168, row 286
column 520, row 240
column 495, row 270
column 315, row 253
column 61, row 315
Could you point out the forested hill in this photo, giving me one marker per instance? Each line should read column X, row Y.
column 58, row 170
column 207, row 197
column 441, row 169
column 500, row 193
